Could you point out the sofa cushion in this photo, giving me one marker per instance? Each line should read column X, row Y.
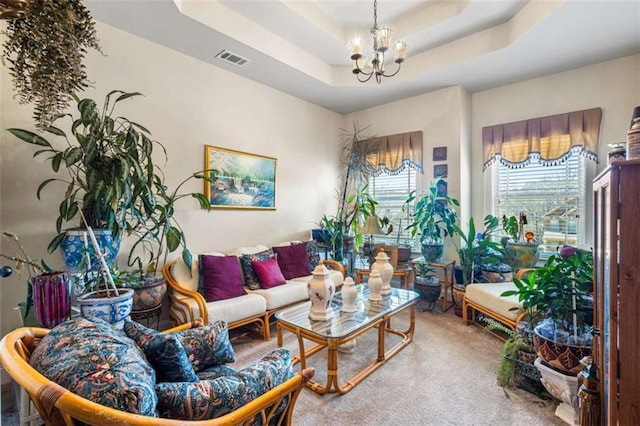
column 212, row 398
column 312, row 253
column 92, row 359
column 221, row 276
column 164, row 351
column 251, row 280
column 207, row 346
column 268, row 272
column 283, row 295
column 488, row 296
column 293, row 260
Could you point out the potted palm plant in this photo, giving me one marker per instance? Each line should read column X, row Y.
column 434, row 217
column 558, row 298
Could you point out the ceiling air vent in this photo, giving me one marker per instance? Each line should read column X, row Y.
column 232, row 58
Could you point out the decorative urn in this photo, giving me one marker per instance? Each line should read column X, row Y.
column 385, row 269
column 321, row 290
column 349, row 295
column 375, row 285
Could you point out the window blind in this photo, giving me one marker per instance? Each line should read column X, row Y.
column 391, row 191
column 552, row 197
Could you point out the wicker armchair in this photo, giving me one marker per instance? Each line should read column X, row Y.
column 58, row 406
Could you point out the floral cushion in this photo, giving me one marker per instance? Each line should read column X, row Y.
column 164, row 351
column 216, row 371
column 92, row 359
column 212, row 398
column 207, row 346
column 250, row 278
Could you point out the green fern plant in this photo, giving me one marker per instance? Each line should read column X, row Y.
column 515, row 341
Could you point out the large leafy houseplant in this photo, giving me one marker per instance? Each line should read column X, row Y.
column 44, row 49
column 479, row 250
column 112, row 178
column 434, row 216
column 557, row 299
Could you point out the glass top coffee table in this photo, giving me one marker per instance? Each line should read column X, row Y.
column 344, row 327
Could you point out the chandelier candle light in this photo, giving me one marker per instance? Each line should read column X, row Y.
column 381, row 42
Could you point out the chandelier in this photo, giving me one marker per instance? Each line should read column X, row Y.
column 381, row 41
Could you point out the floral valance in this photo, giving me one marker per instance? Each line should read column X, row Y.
column 551, row 138
column 396, row 152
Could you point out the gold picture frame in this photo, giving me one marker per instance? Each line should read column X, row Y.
column 240, row 180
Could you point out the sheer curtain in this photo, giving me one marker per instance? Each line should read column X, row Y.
column 552, row 138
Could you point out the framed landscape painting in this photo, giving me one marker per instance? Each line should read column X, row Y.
column 240, row 180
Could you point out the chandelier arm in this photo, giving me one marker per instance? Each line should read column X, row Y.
column 391, row 75
column 366, row 79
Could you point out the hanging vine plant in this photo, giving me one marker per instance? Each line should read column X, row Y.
column 44, row 50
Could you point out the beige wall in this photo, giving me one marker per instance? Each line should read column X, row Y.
column 613, row 86
column 187, row 104
column 439, row 115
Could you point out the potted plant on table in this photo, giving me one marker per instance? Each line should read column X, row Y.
column 434, row 217
column 521, row 248
column 558, row 298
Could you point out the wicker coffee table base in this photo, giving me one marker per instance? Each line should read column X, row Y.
column 333, row 385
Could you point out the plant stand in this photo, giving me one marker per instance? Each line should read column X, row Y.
column 563, row 387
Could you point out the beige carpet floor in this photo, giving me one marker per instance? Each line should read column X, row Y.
column 445, row 377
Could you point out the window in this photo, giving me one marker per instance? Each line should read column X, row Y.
column 391, row 191
column 552, row 197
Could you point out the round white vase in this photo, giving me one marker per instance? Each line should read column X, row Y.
column 375, row 285
column 385, row 269
column 349, row 295
column 321, row 290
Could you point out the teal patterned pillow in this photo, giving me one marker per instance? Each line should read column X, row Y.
column 213, row 398
column 216, row 371
column 92, row 359
column 207, row 346
column 250, row 278
column 164, row 351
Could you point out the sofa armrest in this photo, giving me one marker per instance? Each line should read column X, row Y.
column 175, row 288
column 335, row 265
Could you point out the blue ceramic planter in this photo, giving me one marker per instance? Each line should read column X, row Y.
column 77, row 242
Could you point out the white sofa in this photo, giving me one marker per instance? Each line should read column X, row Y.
column 256, row 306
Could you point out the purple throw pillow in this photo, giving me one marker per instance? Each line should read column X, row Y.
column 268, row 272
column 221, row 276
column 293, row 260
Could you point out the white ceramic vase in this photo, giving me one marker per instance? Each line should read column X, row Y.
column 321, row 290
column 385, row 269
column 375, row 285
column 349, row 295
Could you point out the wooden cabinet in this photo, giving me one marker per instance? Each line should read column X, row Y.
column 617, row 291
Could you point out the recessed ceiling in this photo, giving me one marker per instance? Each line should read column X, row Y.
column 300, row 46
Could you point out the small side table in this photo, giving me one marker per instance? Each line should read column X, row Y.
column 148, row 316
column 447, row 267
column 402, row 273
